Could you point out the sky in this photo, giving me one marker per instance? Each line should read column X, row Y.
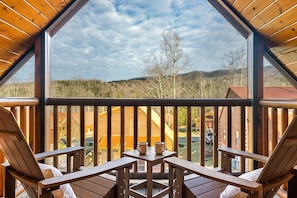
column 109, row 39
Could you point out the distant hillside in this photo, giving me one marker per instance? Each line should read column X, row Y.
column 268, row 70
column 195, row 84
column 193, row 75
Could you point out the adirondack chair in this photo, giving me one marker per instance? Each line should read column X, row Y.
column 22, row 165
column 278, row 169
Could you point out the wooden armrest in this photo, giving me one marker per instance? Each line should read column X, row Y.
column 68, row 150
column 232, row 151
column 213, row 175
column 52, row 183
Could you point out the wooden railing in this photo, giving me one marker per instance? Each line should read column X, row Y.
column 24, row 111
column 231, row 113
column 277, row 114
column 193, row 146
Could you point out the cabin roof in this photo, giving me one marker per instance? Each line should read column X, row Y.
column 268, row 92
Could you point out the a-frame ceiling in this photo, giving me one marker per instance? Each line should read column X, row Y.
column 22, row 21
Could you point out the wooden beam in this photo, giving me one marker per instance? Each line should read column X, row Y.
column 291, row 77
column 42, row 86
column 255, row 88
column 65, row 16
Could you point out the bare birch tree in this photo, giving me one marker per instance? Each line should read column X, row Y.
column 162, row 69
column 233, row 61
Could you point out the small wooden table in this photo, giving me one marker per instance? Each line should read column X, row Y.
column 152, row 159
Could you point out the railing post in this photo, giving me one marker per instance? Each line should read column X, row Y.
column 42, row 87
column 255, row 88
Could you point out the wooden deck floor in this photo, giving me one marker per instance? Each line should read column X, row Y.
column 155, row 190
column 143, row 190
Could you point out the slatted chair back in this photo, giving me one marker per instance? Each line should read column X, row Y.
column 282, row 160
column 17, row 151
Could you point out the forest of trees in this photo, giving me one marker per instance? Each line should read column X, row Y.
column 194, row 84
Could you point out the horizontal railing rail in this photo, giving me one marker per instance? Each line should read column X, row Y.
column 148, row 102
column 18, row 102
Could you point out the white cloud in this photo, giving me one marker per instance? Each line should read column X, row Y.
column 108, row 39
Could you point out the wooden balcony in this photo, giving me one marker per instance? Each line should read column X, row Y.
column 68, row 123
column 108, row 127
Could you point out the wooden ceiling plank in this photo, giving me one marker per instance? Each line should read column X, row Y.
column 12, row 45
column 7, row 55
column 240, row 5
column 15, row 34
column 24, row 9
column 293, row 68
column 271, row 12
column 254, row 8
column 4, row 66
column 11, row 17
column 283, row 50
column 285, row 35
column 285, row 19
column 59, row 4
column 44, row 7
column 289, row 58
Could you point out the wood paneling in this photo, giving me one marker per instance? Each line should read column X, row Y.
column 279, row 23
column 240, row 5
column 254, row 8
column 272, row 11
column 9, row 31
column 285, row 48
column 11, row 45
column 28, row 11
column 8, row 56
column 276, row 21
column 20, row 23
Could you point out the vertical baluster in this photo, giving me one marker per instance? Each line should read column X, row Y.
column 109, row 135
column 32, row 140
column 23, row 121
column 189, row 133
column 175, row 129
column 284, row 120
column 68, row 135
column 149, row 124
column 202, row 136
column 122, row 141
column 229, row 126
column 274, row 126
column 96, row 139
column 242, row 136
column 163, row 123
column 135, row 126
column 55, row 133
column 265, row 132
column 215, row 136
